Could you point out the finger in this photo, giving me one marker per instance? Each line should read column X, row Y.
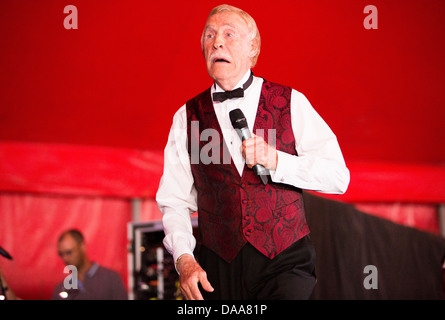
column 190, row 288
column 251, row 157
column 184, row 290
column 205, row 283
column 189, row 293
column 244, row 152
column 195, row 293
column 249, row 142
column 250, row 151
column 257, row 138
column 184, row 293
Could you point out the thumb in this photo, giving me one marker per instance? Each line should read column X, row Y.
column 205, row 283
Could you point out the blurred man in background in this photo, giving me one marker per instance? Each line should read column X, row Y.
column 94, row 282
column 6, row 292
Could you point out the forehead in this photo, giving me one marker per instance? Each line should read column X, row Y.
column 226, row 19
column 67, row 242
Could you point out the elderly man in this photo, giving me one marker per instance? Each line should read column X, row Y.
column 253, row 236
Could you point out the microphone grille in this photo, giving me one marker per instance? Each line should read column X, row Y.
column 238, row 119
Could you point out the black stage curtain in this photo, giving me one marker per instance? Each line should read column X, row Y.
column 408, row 261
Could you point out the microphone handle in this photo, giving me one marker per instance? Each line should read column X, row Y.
column 244, row 133
column 259, row 169
column 261, row 172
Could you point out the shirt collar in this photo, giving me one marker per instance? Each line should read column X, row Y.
column 92, row 271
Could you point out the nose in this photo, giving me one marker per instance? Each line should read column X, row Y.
column 219, row 41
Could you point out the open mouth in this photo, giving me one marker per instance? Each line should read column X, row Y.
column 221, row 60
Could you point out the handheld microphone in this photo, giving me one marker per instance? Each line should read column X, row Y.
column 239, row 123
column 4, row 253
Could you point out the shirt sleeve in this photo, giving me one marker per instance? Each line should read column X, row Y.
column 176, row 196
column 319, row 163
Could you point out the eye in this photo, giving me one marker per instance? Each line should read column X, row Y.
column 209, row 34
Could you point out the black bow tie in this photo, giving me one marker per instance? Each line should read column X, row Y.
column 237, row 93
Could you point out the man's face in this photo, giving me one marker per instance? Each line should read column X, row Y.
column 227, row 47
column 71, row 252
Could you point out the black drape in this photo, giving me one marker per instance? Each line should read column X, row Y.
column 408, row 261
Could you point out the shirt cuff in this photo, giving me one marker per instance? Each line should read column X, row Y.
column 179, row 253
column 285, row 162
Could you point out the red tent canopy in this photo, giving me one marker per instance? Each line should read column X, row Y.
column 129, row 173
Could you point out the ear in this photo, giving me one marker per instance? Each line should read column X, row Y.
column 253, row 48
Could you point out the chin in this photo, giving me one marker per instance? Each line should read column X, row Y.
column 220, row 73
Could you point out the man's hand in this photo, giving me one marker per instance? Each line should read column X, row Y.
column 190, row 273
column 256, row 151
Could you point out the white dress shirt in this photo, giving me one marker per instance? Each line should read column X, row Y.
column 318, row 166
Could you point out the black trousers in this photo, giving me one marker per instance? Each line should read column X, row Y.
column 253, row 276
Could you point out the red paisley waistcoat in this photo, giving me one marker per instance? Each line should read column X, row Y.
column 234, row 209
